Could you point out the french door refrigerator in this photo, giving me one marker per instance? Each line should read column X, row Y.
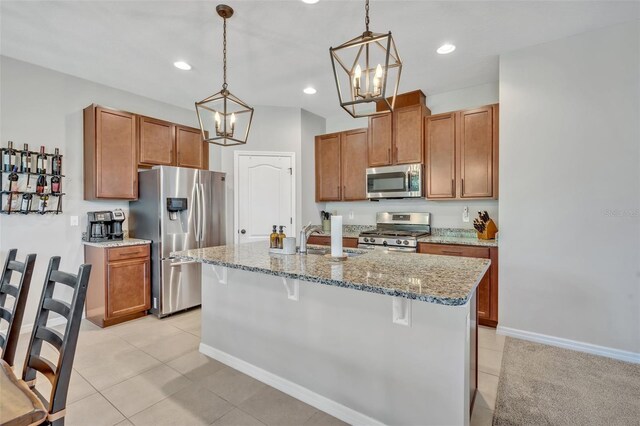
column 177, row 209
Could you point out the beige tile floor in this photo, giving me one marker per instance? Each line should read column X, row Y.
column 149, row 372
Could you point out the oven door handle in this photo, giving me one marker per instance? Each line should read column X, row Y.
column 407, row 180
column 402, row 249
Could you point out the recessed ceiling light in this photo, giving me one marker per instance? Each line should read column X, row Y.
column 182, row 65
column 311, row 1
column 446, row 48
column 309, row 90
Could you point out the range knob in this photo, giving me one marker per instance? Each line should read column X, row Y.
column 406, row 243
column 372, row 240
column 384, row 243
column 366, row 240
column 398, row 242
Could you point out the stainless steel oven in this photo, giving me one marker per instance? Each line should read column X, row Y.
column 404, row 181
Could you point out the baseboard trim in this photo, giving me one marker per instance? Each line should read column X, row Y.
column 305, row 395
column 560, row 342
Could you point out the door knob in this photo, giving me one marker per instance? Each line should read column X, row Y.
column 242, row 231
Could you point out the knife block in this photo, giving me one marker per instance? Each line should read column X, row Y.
column 490, row 231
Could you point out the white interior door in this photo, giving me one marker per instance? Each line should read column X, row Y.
column 265, row 185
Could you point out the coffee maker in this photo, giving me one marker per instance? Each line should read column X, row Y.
column 104, row 226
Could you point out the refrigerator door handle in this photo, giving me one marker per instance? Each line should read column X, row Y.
column 203, row 212
column 196, row 222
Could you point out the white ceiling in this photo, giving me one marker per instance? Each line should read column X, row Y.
column 276, row 48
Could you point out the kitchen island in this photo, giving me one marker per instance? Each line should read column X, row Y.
column 382, row 338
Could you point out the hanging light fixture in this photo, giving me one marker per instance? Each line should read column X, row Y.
column 364, row 68
column 224, row 119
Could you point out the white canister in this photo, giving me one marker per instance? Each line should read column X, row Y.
column 289, row 245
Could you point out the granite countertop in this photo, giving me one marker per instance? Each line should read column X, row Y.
column 121, row 243
column 465, row 241
column 445, row 280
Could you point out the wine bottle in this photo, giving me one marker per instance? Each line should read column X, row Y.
column 25, row 206
column 8, row 158
column 55, row 185
column 42, row 204
column 42, row 162
column 56, row 163
column 25, row 160
column 41, row 184
column 13, row 180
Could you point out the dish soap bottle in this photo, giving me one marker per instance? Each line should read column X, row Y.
column 273, row 238
column 281, row 237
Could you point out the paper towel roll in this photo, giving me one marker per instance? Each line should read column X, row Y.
column 336, row 236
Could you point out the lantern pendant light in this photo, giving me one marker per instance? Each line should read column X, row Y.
column 364, row 68
column 224, row 119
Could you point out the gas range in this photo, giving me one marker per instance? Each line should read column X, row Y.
column 396, row 231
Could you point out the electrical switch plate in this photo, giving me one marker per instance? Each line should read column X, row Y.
column 73, row 221
column 351, row 214
column 465, row 214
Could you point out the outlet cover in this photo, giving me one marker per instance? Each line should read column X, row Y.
column 73, row 221
column 465, row 214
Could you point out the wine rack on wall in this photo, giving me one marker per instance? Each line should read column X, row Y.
column 14, row 192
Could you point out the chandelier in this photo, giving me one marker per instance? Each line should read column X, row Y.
column 224, row 119
column 364, row 68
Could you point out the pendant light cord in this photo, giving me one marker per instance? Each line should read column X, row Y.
column 366, row 14
column 224, row 53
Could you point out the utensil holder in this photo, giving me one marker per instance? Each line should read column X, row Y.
column 326, row 225
column 489, row 232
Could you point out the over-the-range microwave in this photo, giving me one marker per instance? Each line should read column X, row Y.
column 404, row 181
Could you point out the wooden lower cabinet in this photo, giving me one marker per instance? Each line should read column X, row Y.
column 119, row 287
column 325, row 240
column 487, row 295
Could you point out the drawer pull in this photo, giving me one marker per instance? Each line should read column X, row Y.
column 129, row 253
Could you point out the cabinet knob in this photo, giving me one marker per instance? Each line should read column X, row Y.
column 243, row 231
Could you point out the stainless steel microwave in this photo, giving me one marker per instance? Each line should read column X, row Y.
column 403, row 181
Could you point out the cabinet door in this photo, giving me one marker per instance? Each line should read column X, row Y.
column 380, row 137
column 328, row 187
column 407, row 135
column 156, row 144
column 483, row 298
column 354, row 165
column 192, row 151
column 116, row 157
column 440, row 141
column 476, row 151
column 128, row 287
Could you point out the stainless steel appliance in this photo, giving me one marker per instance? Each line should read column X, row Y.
column 104, row 226
column 177, row 209
column 404, row 181
column 396, row 232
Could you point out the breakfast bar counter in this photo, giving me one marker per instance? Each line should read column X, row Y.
column 381, row 338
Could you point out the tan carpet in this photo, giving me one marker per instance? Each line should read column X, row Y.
column 545, row 385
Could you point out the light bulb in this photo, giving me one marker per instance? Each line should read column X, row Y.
column 356, row 77
column 232, row 120
column 358, row 72
column 217, row 118
column 378, row 71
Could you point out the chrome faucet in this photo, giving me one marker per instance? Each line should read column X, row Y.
column 305, row 233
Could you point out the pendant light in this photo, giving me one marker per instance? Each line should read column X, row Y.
column 364, row 68
column 224, row 119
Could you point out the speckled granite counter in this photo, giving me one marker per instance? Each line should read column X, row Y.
column 122, row 243
column 444, row 280
column 465, row 241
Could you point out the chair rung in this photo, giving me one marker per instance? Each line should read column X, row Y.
column 50, row 335
column 5, row 314
column 2, row 340
column 57, row 306
column 10, row 290
column 14, row 265
column 63, row 278
column 43, row 366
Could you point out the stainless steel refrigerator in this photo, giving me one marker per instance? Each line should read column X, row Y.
column 177, row 209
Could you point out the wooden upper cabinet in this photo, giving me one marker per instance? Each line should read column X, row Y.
column 440, row 144
column 380, row 140
column 110, row 154
column 354, row 164
column 407, row 134
column 328, row 168
column 156, row 142
column 192, row 151
column 477, row 147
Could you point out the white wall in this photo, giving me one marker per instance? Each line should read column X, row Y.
column 570, row 188
column 43, row 107
column 445, row 214
column 312, row 125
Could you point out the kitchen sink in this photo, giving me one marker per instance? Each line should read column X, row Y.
column 323, row 251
